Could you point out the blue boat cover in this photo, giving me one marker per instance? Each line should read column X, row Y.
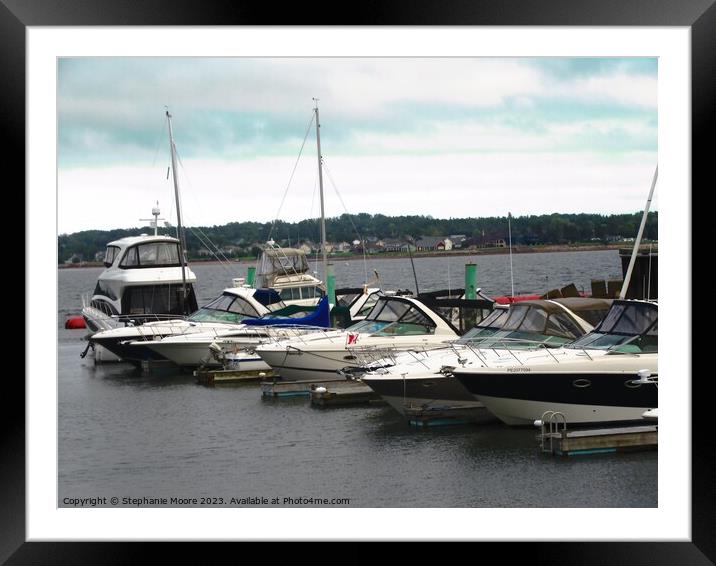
column 319, row 317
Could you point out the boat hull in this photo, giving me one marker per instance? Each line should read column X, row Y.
column 131, row 351
column 248, row 362
column 294, row 364
column 185, row 354
column 522, row 412
column 583, row 398
column 430, row 391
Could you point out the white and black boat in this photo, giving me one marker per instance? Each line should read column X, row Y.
column 608, row 375
column 421, row 380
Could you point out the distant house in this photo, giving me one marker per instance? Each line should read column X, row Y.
column 394, row 245
column 458, row 240
column 370, row 248
column 433, row 243
column 499, row 243
column 373, row 248
column 204, row 252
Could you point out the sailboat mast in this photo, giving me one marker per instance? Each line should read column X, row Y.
column 637, row 242
column 182, row 238
column 512, row 277
column 320, row 187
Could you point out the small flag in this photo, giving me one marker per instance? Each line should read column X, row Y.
column 352, row 338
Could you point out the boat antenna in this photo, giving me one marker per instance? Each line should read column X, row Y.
column 637, row 242
column 509, row 230
column 182, row 236
column 155, row 222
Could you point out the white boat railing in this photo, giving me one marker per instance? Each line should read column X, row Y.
column 381, row 355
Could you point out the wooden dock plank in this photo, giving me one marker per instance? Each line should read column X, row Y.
column 227, row 376
column 603, row 440
column 280, row 388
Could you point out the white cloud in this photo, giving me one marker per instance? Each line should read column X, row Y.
column 473, row 135
column 639, row 91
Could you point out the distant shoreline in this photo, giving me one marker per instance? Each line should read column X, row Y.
column 401, row 255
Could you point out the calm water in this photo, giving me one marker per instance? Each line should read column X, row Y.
column 126, row 434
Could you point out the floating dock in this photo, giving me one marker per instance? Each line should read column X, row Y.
column 447, row 415
column 600, row 441
column 280, row 388
column 343, row 393
column 230, row 376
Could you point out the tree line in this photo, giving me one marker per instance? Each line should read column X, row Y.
column 244, row 238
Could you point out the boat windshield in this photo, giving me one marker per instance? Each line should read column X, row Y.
column 300, row 293
column 629, row 327
column 110, row 255
column 523, row 326
column 151, row 254
column 391, row 317
column 226, row 308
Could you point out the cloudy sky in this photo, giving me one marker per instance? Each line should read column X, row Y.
column 447, row 137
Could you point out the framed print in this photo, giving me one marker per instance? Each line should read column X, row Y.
column 43, row 45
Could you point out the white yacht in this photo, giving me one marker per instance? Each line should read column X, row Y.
column 422, row 379
column 142, row 281
column 608, row 375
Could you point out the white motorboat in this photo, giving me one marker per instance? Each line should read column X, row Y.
column 608, row 375
column 221, row 315
column 394, row 323
column 422, row 380
column 211, row 347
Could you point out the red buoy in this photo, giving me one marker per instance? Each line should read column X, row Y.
column 75, row 322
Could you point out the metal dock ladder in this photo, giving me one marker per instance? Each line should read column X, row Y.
column 550, row 429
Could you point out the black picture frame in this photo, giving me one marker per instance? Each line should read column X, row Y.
column 698, row 15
